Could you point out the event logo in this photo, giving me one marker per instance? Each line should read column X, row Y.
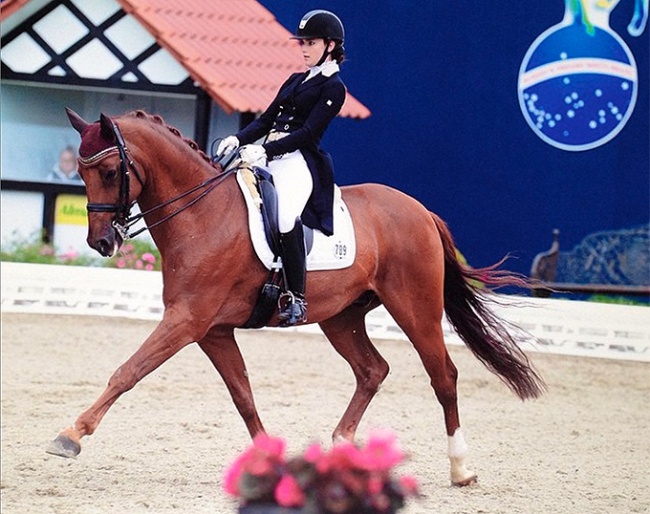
column 578, row 81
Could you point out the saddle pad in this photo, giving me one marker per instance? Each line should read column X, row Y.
column 327, row 253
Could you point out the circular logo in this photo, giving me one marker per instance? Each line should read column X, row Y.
column 577, row 88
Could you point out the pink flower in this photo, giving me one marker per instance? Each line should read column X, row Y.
column 313, row 453
column 121, row 263
column 139, row 264
column 149, row 267
column 259, row 459
column 341, row 456
column 148, row 257
column 338, row 480
column 70, row 255
column 273, row 446
column 381, row 452
column 233, row 475
column 409, row 485
column 288, row 492
column 47, row 251
column 375, row 484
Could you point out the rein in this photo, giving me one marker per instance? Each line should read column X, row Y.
column 123, row 219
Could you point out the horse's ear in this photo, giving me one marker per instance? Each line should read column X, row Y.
column 78, row 123
column 106, row 127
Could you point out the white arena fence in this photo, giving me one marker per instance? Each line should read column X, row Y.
column 560, row 326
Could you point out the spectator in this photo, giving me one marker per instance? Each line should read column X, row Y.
column 66, row 167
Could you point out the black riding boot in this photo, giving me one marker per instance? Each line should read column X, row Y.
column 293, row 261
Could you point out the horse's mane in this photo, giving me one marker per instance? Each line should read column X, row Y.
column 158, row 120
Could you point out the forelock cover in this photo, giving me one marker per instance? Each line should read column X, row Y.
column 93, row 141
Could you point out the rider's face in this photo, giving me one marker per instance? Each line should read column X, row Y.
column 312, row 50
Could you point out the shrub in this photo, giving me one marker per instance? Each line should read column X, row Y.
column 132, row 255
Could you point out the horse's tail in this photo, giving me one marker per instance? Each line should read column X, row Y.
column 484, row 333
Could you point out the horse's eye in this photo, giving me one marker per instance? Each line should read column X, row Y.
column 110, row 174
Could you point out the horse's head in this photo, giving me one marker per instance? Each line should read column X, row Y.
column 105, row 168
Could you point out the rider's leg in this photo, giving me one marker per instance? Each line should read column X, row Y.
column 294, row 185
column 293, row 262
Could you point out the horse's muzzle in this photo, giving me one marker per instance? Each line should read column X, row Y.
column 107, row 243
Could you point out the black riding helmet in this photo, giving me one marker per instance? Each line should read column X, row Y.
column 321, row 24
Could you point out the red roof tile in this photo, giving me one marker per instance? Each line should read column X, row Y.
column 8, row 7
column 234, row 49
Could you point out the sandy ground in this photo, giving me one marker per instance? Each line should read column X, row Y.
column 163, row 447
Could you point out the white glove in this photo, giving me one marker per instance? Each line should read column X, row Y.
column 227, row 145
column 253, row 155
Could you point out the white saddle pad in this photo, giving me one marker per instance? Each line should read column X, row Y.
column 327, row 253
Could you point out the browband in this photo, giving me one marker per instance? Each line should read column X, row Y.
column 98, row 156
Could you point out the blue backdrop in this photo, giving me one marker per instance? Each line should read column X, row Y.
column 441, row 81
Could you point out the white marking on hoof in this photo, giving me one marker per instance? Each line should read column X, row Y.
column 457, row 451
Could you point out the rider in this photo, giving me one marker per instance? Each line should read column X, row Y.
column 294, row 124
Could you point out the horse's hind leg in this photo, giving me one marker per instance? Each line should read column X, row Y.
column 421, row 322
column 347, row 333
column 221, row 348
column 444, row 374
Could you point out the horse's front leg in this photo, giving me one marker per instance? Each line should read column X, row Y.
column 221, row 348
column 169, row 337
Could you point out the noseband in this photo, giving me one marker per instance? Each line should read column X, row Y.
column 123, row 221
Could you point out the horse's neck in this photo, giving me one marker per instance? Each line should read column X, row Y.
column 172, row 169
column 206, row 212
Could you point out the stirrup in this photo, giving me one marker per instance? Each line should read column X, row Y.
column 295, row 310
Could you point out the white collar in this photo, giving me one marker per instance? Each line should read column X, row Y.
column 327, row 69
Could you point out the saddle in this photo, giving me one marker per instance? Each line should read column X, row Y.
column 260, row 182
column 323, row 252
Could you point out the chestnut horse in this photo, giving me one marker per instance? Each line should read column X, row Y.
column 405, row 261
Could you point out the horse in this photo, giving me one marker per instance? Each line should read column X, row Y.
column 406, row 260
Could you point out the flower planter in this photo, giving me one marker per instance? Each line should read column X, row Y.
column 346, row 479
column 268, row 508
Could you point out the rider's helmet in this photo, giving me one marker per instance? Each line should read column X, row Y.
column 320, row 24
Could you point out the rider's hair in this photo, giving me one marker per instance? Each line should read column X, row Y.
column 338, row 54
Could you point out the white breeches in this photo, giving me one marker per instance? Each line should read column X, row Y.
column 294, row 184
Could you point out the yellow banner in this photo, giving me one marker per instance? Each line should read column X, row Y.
column 70, row 210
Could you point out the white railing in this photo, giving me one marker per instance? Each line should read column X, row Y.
column 560, row 326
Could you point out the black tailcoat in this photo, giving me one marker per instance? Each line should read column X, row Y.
column 304, row 110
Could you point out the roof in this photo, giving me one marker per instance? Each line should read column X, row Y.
column 234, row 49
column 8, row 7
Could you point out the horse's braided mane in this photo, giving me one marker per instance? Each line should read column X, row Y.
column 157, row 119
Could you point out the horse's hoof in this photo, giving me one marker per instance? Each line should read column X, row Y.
column 465, row 481
column 64, row 446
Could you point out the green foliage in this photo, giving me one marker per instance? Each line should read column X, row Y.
column 132, row 255
column 619, row 300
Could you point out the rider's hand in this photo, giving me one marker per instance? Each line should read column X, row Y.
column 228, row 145
column 253, row 155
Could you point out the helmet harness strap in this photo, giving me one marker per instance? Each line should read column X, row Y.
column 326, row 52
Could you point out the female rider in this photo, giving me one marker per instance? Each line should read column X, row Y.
column 293, row 126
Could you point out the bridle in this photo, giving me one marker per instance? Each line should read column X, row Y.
column 123, row 220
